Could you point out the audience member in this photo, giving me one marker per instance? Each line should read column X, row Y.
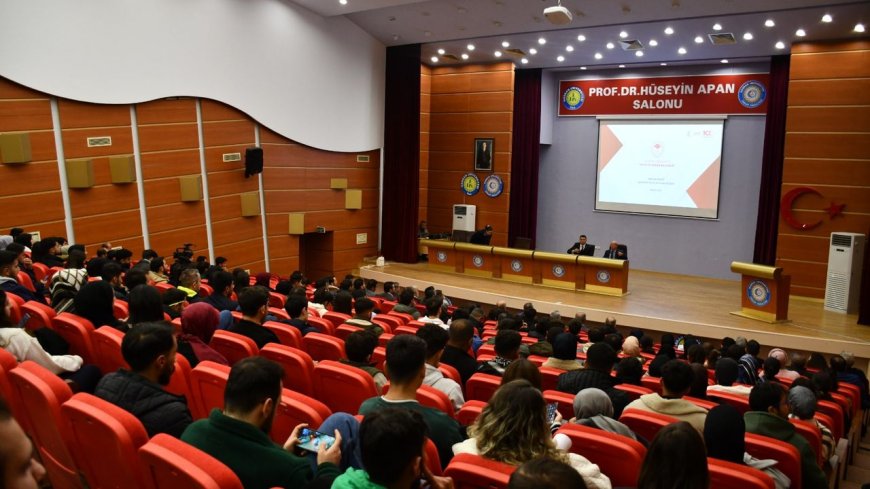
column 676, row 459
column 507, row 349
column 726, row 375
column 9, row 269
column 596, row 373
column 149, row 349
column 363, row 316
column 297, row 308
column 629, row 371
column 406, row 303
column 157, row 270
column 174, row 302
column 461, row 337
column 189, row 283
column 198, row 323
column 436, row 340
column 342, row 302
column 595, row 335
column 145, row 305
column 94, row 303
column 749, row 364
column 802, row 403
column 221, row 283
column 133, row 278
column 434, row 306
column 112, row 274
column 241, row 280
column 358, row 347
column 525, row 370
column 798, row 363
column 543, row 347
column 843, row 374
column 564, row 353
column 546, row 473
column 698, row 389
column 254, row 303
column 592, row 407
column 390, row 292
column 66, row 283
column 782, row 356
column 19, row 466
column 321, row 301
column 676, row 380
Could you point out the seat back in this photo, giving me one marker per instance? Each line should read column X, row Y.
column 645, row 423
column 404, row 317
column 25, row 281
column 481, row 387
column 450, row 372
column 336, row 318
column 787, row 455
column 345, row 330
column 564, row 401
column 404, row 330
column 205, row 289
column 550, row 377
column 728, row 475
column 738, row 402
column 40, row 270
column 852, row 392
column 298, row 366
column 379, row 357
column 107, row 349
column 391, row 321
column 77, row 332
column 287, row 335
column 8, row 392
column 475, row 472
column 433, row 460
column 323, row 347
column 169, row 463
column 486, row 349
column 294, row 409
column 833, row 410
column 179, row 383
column 104, row 440
column 276, row 299
column 633, row 391
column 708, row 405
column 342, row 387
column 652, row 383
column 120, row 309
column 812, row 434
column 163, row 287
column 233, row 346
column 42, row 393
column 469, row 412
column 40, row 314
column 279, row 312
column 617, row 456
column 15, row 302
column 323, row 326
column 432, row 397
column 387, row 306
column 207, row 383
column 385, row 338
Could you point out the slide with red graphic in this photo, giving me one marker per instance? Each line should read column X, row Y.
column 665, row 167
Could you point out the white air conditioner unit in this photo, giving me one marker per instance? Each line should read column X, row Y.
column 464, row 217
column 845, row 261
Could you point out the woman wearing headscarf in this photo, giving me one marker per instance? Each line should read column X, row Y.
column 724, row 432
column 198, row 324
column 564, row 353
column 802, row 404
column 94, row 303
column 593, row 408
column 782, row 356
column 631, row 348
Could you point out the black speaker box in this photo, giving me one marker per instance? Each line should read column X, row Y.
column 253, row 161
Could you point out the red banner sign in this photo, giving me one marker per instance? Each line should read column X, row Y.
column 713, row 94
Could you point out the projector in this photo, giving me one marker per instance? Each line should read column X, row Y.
column 558, row 15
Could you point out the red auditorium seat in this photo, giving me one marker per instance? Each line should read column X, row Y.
column 708, row 405
column 633, row 391
column 813, row 435
column 486, row 349
column 346, row 330
column 107, row 349
column 385, row 338
column 207, row 383
column 392, row 321
column 387, row 306
column 787, row 456
column 15, row 302
column 43, row 393
column 276, row 300
column 294, row 409
column 481, row 387
column 833, row 410
column 474, row 472
column 415, row 324
column 537, row 360
column 77, row 332
column 432, row 397
column 7, row 390
column 40, row 270
column 323, row 347
column 433, row 460
column 450, row 372
column 40, row 314
column 233, row 346
column 169, row 463
column 405, row 318
column 564, row 400
column 179, row 383
column 205, row 289
column 645, row 423
column 469, row 412
column 405, row 330
column 550, row 377
column 619, row 457
column 342, row 387
column 104, row 440
column 298, row 366
column 385, row 325
column 24, row 281
column 379, row 357
column 741, row 403
column 336, row 318
column 652, row 383
column 120, row 309
column 163, row 287
column 279, row 313
column 287, row 335
column 728, row 475
column 323, row 326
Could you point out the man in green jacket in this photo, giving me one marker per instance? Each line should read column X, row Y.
column 769, row 417
column 239, row 438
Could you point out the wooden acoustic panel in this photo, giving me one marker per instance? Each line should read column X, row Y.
column 826, row 92
column 835, row 172
column 50, row 208
column 230, row 183
column 828, row 119
column 169, row 137
column 25, row 180
column 480, row 102
column 175, row 215
column 170, row 163
column 108, row 227
column 166, row 111
column 75, row 142
column 836, row 64
column 25, row 115
column 213, row 110
column 237, row 229
column 104, row 199
column 11, row 90
column 224, row 133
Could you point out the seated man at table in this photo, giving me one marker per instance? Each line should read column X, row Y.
column 581, row 248
column 483, row 236
column 616, row 251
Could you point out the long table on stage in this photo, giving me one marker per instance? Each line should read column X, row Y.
column 581, row 273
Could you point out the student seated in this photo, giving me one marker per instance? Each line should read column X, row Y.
column 546, row 473
column 676, row 380
column 363, row 317
column 359, row 346
column 9, row 269
column 507, row 349
column 676, row 459
column 564, row 353
column 19, row 469
column 596, row 373
column 254, row 302
column 436, row 339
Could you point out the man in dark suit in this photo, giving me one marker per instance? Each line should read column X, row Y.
column 483, row 236
column 616, row 251
column 581, row 248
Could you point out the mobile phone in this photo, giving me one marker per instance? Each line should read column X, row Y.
column 311, row 440
column 551, row 411
column 24, row 319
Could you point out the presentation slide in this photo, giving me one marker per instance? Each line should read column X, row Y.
column 665, row 167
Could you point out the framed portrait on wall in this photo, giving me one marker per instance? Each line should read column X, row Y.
column 483, row 151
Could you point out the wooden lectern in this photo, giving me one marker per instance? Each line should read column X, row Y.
column 765, row 292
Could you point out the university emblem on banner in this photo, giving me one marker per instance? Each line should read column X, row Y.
column 603, row 276
column 558, row 271
column 573, row 98
column 516, row 266
column 470, row 184
column 758, row 293
column 493, row 186
column 441, row 256
column 477, row 260
column 751, row 94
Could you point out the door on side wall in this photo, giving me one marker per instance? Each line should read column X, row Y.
column 316, row 255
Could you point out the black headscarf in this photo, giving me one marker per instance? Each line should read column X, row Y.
column 94, row 303
column 724, row 430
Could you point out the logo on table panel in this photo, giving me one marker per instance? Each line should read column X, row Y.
column 441, row 256
column 558, row 271
column 751, row 94
column 470, row 184
column 516, row 266
column 603, row 276
column 493, row 186
column 573, row 98
column 657, row 149
column 758, row 293
column 477, row 260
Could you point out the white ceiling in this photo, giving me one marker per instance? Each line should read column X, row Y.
column 453, row 24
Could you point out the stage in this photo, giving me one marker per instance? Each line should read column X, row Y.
column 657, row 302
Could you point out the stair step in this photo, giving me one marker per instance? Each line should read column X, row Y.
column 858, row 474
column 849, row 485
column 862, row 460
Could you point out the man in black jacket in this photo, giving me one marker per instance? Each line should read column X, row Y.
column 456, row 352
column 149, row 349
column 254, row 302
column 222, row 284
column 599, row 362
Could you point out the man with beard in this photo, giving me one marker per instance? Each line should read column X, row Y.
column 149, row 349
column 238, row 435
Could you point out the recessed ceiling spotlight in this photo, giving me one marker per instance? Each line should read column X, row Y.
column 533, row 51
column 505, row 44
column 622, row 66
column 859, row 27
column 669, row 30
column 682, row 50
column 581, row 38
column 524, row 61
column 497, row 54
column 598, row 55
column 542, row 41
column 560, row 58
column 343, row 2
column 747, row 36
column 800, row 33
column 441, row 51
column 717, row 27
column 610, row 45
column 623, row 35
column 464, row 55
column 827, row 18
column 699, row 39
column 470, row 47
column 639, row 54
column 653, row 43
column 779, row 45
column 582, row 67
column 569, row 48
column 724, row 61
column 434, row 59
column 663, row 64
column 395, row 37
column 769, row 23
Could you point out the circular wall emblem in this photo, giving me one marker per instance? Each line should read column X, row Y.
column 516, row 265
column 751, row 94
column 470, row 184
column 573, row 98
column 493, row 186
column 603, row 276
column 758, row 293
column 558, row 270
column 477, row 260
column 441, row 256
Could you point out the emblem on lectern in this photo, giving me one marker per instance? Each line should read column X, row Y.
column 758, row 293
column 477, row 260
column 558, row 270
column 516, row 265
column 441, row 256
column 603, row 276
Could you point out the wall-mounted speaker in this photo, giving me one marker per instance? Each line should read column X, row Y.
column 15, row 148
column 80, row 173
column 253, row 161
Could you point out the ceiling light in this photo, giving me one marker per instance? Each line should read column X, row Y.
column 581, row 38
column 669, row 30
column 623, row 35
column 434, row 59
column 859, row 27
column 769, row 23
column 524, row 61
column 717, row 27
column 663, row 64
column 779, row 45
column 560, row 58
column 653, row 43
column 343, row 2
column 747, row 36
column 542, row 41
column 441, row 51
column 622, row 66
column 464, row 55
column 610, row 45
column 681, row 50
column 427, row 33
column 505, row 44
column 598, row 55
column 533, row 51
column 724, row 61
column 470, row 47
column 801, row 33
column 639, row 54
column 827, row 18
column 497, row 54
column 699, row 39
column 569, row 48
column 582, row 67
